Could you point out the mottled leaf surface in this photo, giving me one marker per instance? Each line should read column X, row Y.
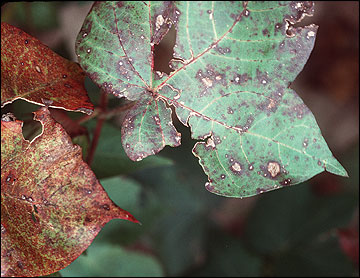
column 232, row 68
column 33, row 72
column 52, row 205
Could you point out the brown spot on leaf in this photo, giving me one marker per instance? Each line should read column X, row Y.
column 305, row 143
column 241, row 78
column 266, row 32
column 278, row 27
column 299, row 9
column 106, row 207
column 285, row 182
column 20, row 265
column 273, row 168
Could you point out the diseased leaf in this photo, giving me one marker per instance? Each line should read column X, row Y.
column 52, row 205
column 232, row 67
column 33, row 72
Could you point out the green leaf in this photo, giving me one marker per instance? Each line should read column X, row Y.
column 110, row 158
column 40, row 16
column 228, row 257
column 300, row 218
column 113, row 261
column 232, row 67
column 138, row 199
column 322, row 258
column 184, row 208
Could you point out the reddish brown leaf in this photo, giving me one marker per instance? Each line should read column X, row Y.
column 33, row 72
column 52, row 205
column 72, row 127
column 349, row 242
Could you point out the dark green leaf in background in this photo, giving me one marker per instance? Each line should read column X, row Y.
column 113, row 260
column 110, row 158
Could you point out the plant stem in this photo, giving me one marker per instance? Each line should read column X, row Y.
column 105, row 114
column 99, row 124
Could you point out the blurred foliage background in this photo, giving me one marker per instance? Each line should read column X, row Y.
column 310, row 229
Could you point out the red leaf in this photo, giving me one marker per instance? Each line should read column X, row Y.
column 33, row 72
column 349, row 243
column 52, row 205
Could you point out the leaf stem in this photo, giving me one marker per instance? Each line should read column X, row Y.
column 105, row 114
column 99, row 124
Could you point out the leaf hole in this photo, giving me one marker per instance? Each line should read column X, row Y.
column 22, row 110
column 163, row 52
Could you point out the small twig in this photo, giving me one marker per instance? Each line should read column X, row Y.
column 89, row 117
column 118, row 110
column 99, row 124
column 98, row 112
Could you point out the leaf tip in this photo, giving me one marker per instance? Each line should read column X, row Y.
column 334, row 167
